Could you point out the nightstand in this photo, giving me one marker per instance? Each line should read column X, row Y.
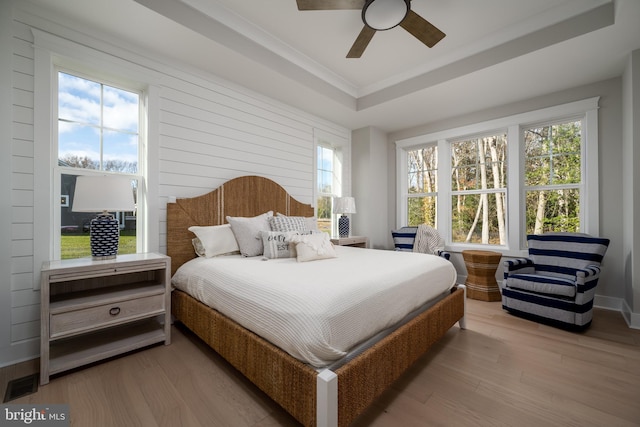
column 356, row 241
column 92, row 310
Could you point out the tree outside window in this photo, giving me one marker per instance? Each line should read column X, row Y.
column 478, row 189
column 529, row 173
column 553, row 177
column 422, row 167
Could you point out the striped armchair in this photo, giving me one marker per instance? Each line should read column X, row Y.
column 556, row 284
column 404, row 239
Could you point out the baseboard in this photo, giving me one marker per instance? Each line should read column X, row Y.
column 20, row 352
column 608, row 303
column 618, row 304
column 632, row 319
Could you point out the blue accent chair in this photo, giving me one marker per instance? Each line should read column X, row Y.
column 405, row 237
column 556, row 284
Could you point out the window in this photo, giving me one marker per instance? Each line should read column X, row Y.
column 478, row 190
column 422, row 183
column 552, row 177
column 98, row 133
column 329, row 185
column 525, row 174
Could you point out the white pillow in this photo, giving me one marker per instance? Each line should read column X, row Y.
column 277, row 244
column 247, row 232
column 215, row 239
column 310, row 247
column 198, row 247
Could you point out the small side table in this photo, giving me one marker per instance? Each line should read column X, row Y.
column 356, row 241
column 481, row 275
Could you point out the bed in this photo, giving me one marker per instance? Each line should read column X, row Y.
column 329, row 396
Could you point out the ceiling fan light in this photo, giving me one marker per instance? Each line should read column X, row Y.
column 384, row 14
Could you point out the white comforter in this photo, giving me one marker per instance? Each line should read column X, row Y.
column 317, row 310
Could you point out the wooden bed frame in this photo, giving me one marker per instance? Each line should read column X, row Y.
column 325, row 398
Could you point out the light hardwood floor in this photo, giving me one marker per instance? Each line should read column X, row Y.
column 501, row 371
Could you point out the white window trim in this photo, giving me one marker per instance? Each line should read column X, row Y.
column 58, row 170
column 49, row 52
column 586, row 110
column 342, row 144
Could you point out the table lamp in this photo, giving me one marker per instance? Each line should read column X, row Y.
column 103, row 194
column 344, row 205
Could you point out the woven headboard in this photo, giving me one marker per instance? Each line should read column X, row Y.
column 244, row 196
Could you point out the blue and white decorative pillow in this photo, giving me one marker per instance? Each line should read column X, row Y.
column 312, row 221
column 288, row 223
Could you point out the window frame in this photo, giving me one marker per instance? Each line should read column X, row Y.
column 477, row 191
column 585, row 110
column 50, row 52
column 553, row 187
column 59, row 170
column 341, row 182
column 407, row 195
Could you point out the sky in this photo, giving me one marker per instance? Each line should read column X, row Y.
column 81, row 113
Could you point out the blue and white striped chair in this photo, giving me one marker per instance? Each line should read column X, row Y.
column 556, row 284
column 404, row 239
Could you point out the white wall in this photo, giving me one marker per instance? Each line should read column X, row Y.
column 630, row 185
column 203, row 131
column 6, row 193
column 369, row 185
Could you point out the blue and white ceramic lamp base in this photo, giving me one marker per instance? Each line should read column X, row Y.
column 343, row 226
column 105, row 234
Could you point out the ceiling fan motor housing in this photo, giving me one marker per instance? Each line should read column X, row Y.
column 382, row 15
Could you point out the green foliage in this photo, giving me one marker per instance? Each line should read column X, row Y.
column 552, row 174
column 553, row 155
column 463, row 217
column 324, row 207
column 422, row 210
column 561, row 208
column 553, row 165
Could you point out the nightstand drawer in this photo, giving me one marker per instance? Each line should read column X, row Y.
column 355, row 241
column 91, row 318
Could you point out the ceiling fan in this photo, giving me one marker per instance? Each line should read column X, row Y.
column 380, row 15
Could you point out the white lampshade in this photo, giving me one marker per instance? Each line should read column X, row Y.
column 103, row 193
column 384, row 14
column 344, row 205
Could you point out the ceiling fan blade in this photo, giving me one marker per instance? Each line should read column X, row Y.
column 330, row 4
column 361, row 42
column 422, row 29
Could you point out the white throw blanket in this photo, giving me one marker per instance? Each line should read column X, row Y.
column 428, row 240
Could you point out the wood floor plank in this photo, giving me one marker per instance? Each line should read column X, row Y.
column 500, row 371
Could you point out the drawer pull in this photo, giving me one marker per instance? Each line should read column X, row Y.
column 114, row 311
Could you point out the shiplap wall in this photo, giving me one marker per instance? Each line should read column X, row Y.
column 25, row 303
column 210, row 133
column 204, row 132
